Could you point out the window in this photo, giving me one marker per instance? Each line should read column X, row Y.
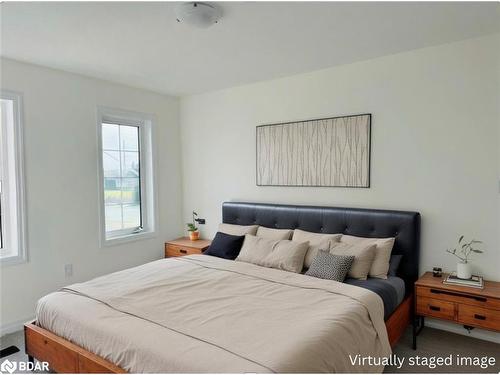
column 126, row 176
column 12, row 202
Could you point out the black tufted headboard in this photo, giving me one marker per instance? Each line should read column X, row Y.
column 403, row 225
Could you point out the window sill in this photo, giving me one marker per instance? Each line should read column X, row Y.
column 127, row 238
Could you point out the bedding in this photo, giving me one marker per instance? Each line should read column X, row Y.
column 391, row 290
column 394, row 264
column 274, row 234
column 317, row 241
column 383, row 249
column 225, row 246
column 363, row 257
column 330, row 266
column 173, row 315
column 284, row 255
column 238, row 230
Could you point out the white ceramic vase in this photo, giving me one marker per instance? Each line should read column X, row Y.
column 463, row 270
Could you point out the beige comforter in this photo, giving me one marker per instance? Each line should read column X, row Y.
column 204, row 314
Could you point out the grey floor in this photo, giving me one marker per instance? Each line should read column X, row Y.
column 436, row 343
column 16, row 339
column 431, row 343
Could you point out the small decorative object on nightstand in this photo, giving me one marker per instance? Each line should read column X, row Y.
column 184, row 246
column 465, row 250
column 471, row 307
column 437, row 272
column 194, row 234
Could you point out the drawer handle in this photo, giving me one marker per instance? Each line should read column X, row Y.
column 480, row 317
column 437, row 291
column 183, row 251
column 434, row 308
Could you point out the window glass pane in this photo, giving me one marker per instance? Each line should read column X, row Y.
column 111, row 163
column 113, row 215
column 110, row 137
column 129, row 137
column 121, row 165
column 12, row 229
column 112, row 191
column 130, row 164
column 131, row 215
column 130, row 190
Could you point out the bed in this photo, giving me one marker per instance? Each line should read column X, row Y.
column 204, row 314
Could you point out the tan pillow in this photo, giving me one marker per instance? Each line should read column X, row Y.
column 274, row 234
column 363, row 257
column 317, row 241
column 383, row 250
column 238, row 230
column 284, row 255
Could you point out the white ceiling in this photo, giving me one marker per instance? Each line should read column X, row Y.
column 141, row 44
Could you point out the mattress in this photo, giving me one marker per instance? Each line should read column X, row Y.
column 391, row 290
column 204, row 314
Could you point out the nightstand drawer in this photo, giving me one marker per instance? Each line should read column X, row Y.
column 184, row 246
column 458, row 297
column 178, row 251
column 479, row 317
column 435, row 308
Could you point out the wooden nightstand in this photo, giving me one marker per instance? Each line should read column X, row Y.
column 468, row 306
column 184, row 246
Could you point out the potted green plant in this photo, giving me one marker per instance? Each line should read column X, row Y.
column 464, row 252
column 194, row 234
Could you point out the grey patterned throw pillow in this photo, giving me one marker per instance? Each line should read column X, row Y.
column 330, row 266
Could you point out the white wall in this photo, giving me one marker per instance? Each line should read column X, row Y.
column 435, row 142
column 61, row 180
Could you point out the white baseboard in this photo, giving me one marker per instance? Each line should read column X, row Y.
column 459, row 329
column 5, row 329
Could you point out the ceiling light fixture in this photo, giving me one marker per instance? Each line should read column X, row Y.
column 201, row 15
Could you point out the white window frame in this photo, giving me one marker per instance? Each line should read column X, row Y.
column 13, row 195
column 147, row 157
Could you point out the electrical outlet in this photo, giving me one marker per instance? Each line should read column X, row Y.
column 68, row 270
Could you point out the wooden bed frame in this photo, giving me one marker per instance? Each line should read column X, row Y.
column 65, row 357
column 62, row 355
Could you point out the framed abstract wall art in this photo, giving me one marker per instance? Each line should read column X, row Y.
column 324, row 152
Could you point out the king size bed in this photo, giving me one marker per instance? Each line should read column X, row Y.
column 200, row 313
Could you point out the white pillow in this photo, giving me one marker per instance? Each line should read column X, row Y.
column 274, row 234
column 238, row 230
column 383, row 250
column 363, row 257
column 317, row 241
column 284, row 255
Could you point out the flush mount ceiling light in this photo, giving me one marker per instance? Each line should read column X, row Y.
column 201, row 15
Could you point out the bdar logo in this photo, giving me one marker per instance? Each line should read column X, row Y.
column 8, row 367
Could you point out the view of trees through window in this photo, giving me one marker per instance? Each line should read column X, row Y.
column 122, row 177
